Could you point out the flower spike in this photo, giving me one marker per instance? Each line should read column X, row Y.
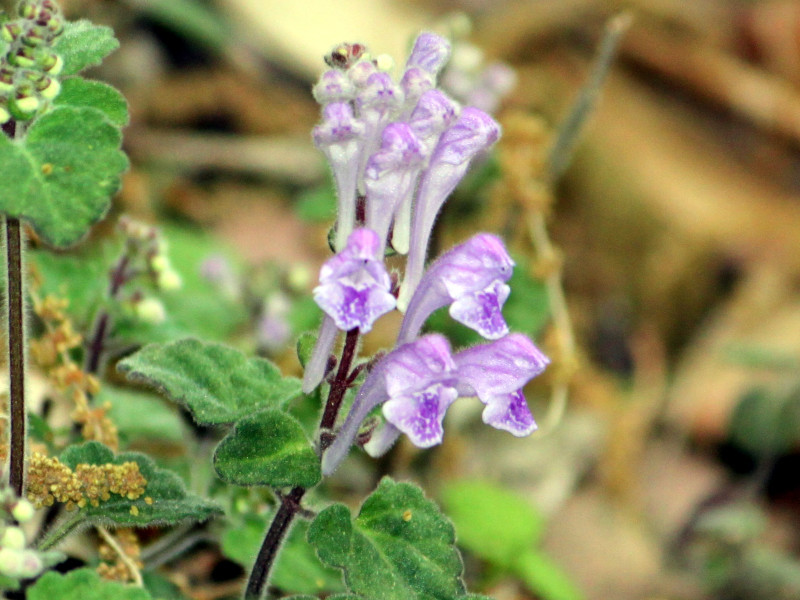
column 354, row 287
column 496, row 373
column 333, row 86
column 472, row 133
column 471, row 279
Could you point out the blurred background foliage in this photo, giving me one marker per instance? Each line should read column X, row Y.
column 673, row 473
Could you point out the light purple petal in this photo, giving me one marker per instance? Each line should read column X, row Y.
column 470, row 268
column 482, row 310
column 474, row 132
column 413, row 366
column 414, row 83
column 434, row 113
column 354, row 286
column 510, row 412
column 499, row 367
column 360, row 72
column 333, row 86
column 430, row 52
column 380, row 94
column 420, row 414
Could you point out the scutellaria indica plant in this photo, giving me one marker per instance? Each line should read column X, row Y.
column 397, row 149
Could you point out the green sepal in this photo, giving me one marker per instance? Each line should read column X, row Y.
column 170, row 503
column 83, row 584
column 217, row 383
column 267, row 448
column 61, row 175
column 83, row 93
column 83, row 44
column 400, row 546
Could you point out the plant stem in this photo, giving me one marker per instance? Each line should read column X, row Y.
column 281, row 522
column 16, row 352
column 119, row 277
column 290, row 504
column 59, row 531
column 340, row 383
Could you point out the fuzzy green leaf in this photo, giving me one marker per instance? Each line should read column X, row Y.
column 61, row 175
column 170, row 502
column 492, row 523
column 217, row 383
column 142, row 416
column 84, row 44
column 400, row 546
column 79, row 92
column 82, row 584
column 545, row 578
column 267, row 448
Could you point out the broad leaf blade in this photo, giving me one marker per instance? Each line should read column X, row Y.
column 267, row 448
column 83, row 93
column 400, row 546
column 165, row 499
column 82, row 584
column 217, row 383
column 83, row 44
column 61, row 175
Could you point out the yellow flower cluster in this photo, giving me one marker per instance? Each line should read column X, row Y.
column 49, row 481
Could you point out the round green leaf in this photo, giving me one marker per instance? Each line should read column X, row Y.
column 79, row 92
column 83, row 44
column 267, row 448
column 82, row 584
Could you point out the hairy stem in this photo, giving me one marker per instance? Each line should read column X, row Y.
column 290, row 504
column 281, row 523
column 16, row 352
column 59, row 531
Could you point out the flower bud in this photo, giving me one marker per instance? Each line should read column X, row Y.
column 333, row 86
column 49, row 88
column 169, row 280
column 6, row 79
column 24, row 108
column 11, row 563
column 10, row 31
column 31, row 564
column 35, row 36
column 50, row 62
column 5, row 116
column 23, row 57
column 150, row 310
column 28, row 9
column 22, row 511
column 13, row 538
column 431, row 52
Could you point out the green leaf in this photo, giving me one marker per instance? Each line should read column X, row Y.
column 400, row 546
column 492, row 523
column 82, row 93
column 82, row 584
column 267, row 448
column 545, row 578
column 141, row 416
column 305, row 346
column 217, row 383
column 297, row 568
column 8, row 583
column 766, row 423
column 83, row 44
column 169, row 501
column 61, row 175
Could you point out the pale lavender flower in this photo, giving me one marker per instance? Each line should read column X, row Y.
column 391, row 176
column 333, row 86
column 472, row 133
column 471, row 279
column 340, row 137
column 360, row 72
column 496, row 373
column 430, row 52
column 416, row 383
column 433, row 114
column 354, row 287
column 414, row 83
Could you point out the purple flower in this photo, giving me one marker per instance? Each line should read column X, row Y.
column 431, row 52
column 333, row 86
column 353, row 285
column 471, row 279
column 496, row 373
column 391, row 176
column 340, row 137
column 416, row 383
column 414, row 83
column 472, row 133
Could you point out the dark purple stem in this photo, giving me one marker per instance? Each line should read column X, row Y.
column 119, row 276
column 16, row 353
column 290, row 504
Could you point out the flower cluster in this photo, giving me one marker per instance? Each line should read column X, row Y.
column 28, row 65
column 397, row 151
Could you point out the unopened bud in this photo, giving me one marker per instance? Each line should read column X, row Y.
column 31, row 564
column 384, row 62
column 159, row 263
column 11, row 562
column 24, row 108
column 28, row 9
column 35, row 36
column 22, row 511
column 49, row 88
column 5, row 116
column 22, row 58
column 169, row 280
column 150, row 310
column 50, row 62
column 13, row 538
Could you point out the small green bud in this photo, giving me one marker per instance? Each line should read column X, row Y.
column 10, row 31
column 159, row 263
column 13, row 538
column 169, row 280
column 24, row 108
column 6, row 80
column 5, row 116
column 150, row 310
column 50, row 90
column 55, row 26
column 35, row 36
column 23, row 511
column 23, row 57
column 28, row 9
column 50, row 62
column 11, row 562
